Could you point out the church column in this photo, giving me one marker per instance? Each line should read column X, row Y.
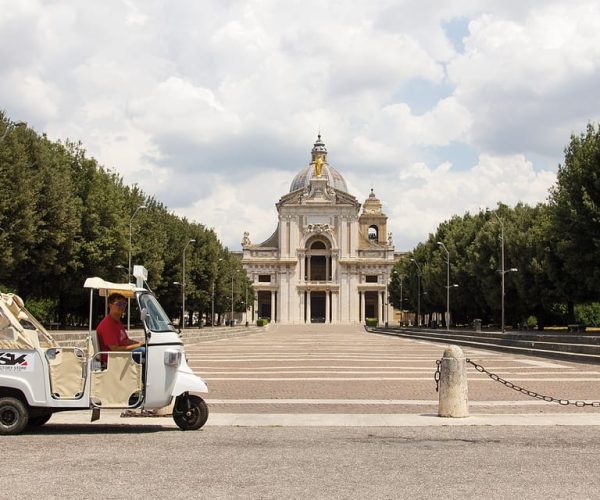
column 379, row 307
column 301, row 257
column 334, row 258
column 255, row 306
column 301, row 306
column 308, row 306
column 327, row 315
column 272, row 306
column 335, row 310
column 341, row 235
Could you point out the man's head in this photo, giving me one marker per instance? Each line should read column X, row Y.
column 117, row 304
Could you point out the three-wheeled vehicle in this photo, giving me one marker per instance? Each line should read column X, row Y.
column 39, row 377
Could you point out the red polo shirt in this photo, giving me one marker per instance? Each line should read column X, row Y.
column 111, row 331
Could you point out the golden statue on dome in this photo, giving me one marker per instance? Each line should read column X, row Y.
column 319, row 165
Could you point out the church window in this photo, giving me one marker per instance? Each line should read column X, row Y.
column 372, row 278
column 373, row 233
column 318, row 245
column 264, row 278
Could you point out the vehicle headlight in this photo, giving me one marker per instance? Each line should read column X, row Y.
column 173, row 358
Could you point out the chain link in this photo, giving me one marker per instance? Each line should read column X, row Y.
column 437, row 374
column 510, row 385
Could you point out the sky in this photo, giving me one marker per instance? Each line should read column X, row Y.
column 213, row 106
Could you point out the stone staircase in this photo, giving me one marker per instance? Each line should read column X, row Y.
column 570, row 346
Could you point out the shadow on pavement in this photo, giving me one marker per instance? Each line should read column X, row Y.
column 57, row 429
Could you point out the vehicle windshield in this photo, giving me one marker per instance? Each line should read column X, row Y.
column 156, row 320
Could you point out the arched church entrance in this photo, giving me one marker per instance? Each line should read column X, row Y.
column 318, row 263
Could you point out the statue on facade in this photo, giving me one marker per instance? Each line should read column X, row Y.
column 390, row 239
column 246, row 239
column 319, row 165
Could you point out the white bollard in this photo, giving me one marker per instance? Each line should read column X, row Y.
column 453, row 384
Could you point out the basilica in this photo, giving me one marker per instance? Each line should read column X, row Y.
column 328, row 261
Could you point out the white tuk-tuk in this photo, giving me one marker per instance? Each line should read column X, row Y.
column 39, row 377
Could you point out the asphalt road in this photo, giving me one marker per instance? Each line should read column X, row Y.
column 133, row 461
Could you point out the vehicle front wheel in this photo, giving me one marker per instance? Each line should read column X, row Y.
column 13, row 416
column 190, row 412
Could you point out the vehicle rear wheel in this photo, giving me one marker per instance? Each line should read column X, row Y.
column 13, row 416
column 190, row 412
column 39, row 420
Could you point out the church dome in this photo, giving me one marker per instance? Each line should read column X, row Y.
column 334, row 178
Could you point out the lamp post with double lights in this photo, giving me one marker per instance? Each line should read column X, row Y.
column 502, row 271
column 183, row 283
column 418, row 291
column 141, row 207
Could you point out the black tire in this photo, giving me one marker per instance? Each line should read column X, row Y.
column 190, row 412
column 13, row 416
column 39, row 420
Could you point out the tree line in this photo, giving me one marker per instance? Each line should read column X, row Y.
column 64, row 218
column 553, row 246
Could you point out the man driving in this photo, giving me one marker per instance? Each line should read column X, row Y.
column 112, row 335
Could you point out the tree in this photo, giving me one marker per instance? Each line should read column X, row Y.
column 575, row 211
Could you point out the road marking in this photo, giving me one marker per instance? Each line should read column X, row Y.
column 358, row 371
column 335, row 379
column 394, row 420
column 542, row 364
column 366, row 402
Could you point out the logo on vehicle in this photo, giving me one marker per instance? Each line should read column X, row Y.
column 15, row 361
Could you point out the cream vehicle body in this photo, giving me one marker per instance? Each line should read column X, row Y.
column 39, row 377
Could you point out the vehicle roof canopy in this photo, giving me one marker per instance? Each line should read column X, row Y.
column 106, row 288
column 18, row 327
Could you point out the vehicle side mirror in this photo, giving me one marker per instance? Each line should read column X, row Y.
column 143, row 314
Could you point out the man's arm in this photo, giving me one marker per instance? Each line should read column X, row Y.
column 129, row 347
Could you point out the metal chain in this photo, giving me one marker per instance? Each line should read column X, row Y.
column 437, row 374
column 510, row 385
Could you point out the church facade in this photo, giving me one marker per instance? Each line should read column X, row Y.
column 328, row 261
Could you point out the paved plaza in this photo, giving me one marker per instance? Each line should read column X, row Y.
column 328, row 412
column 358, row 377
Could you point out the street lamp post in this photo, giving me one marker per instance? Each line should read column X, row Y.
column 183, row 284
column 418, row 291
column 502, row 271
column 141, row 207
column 231, row 319
column 441, row 244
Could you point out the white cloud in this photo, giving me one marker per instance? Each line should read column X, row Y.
column 213, row 106
column 531, row 81
column 420, row 197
